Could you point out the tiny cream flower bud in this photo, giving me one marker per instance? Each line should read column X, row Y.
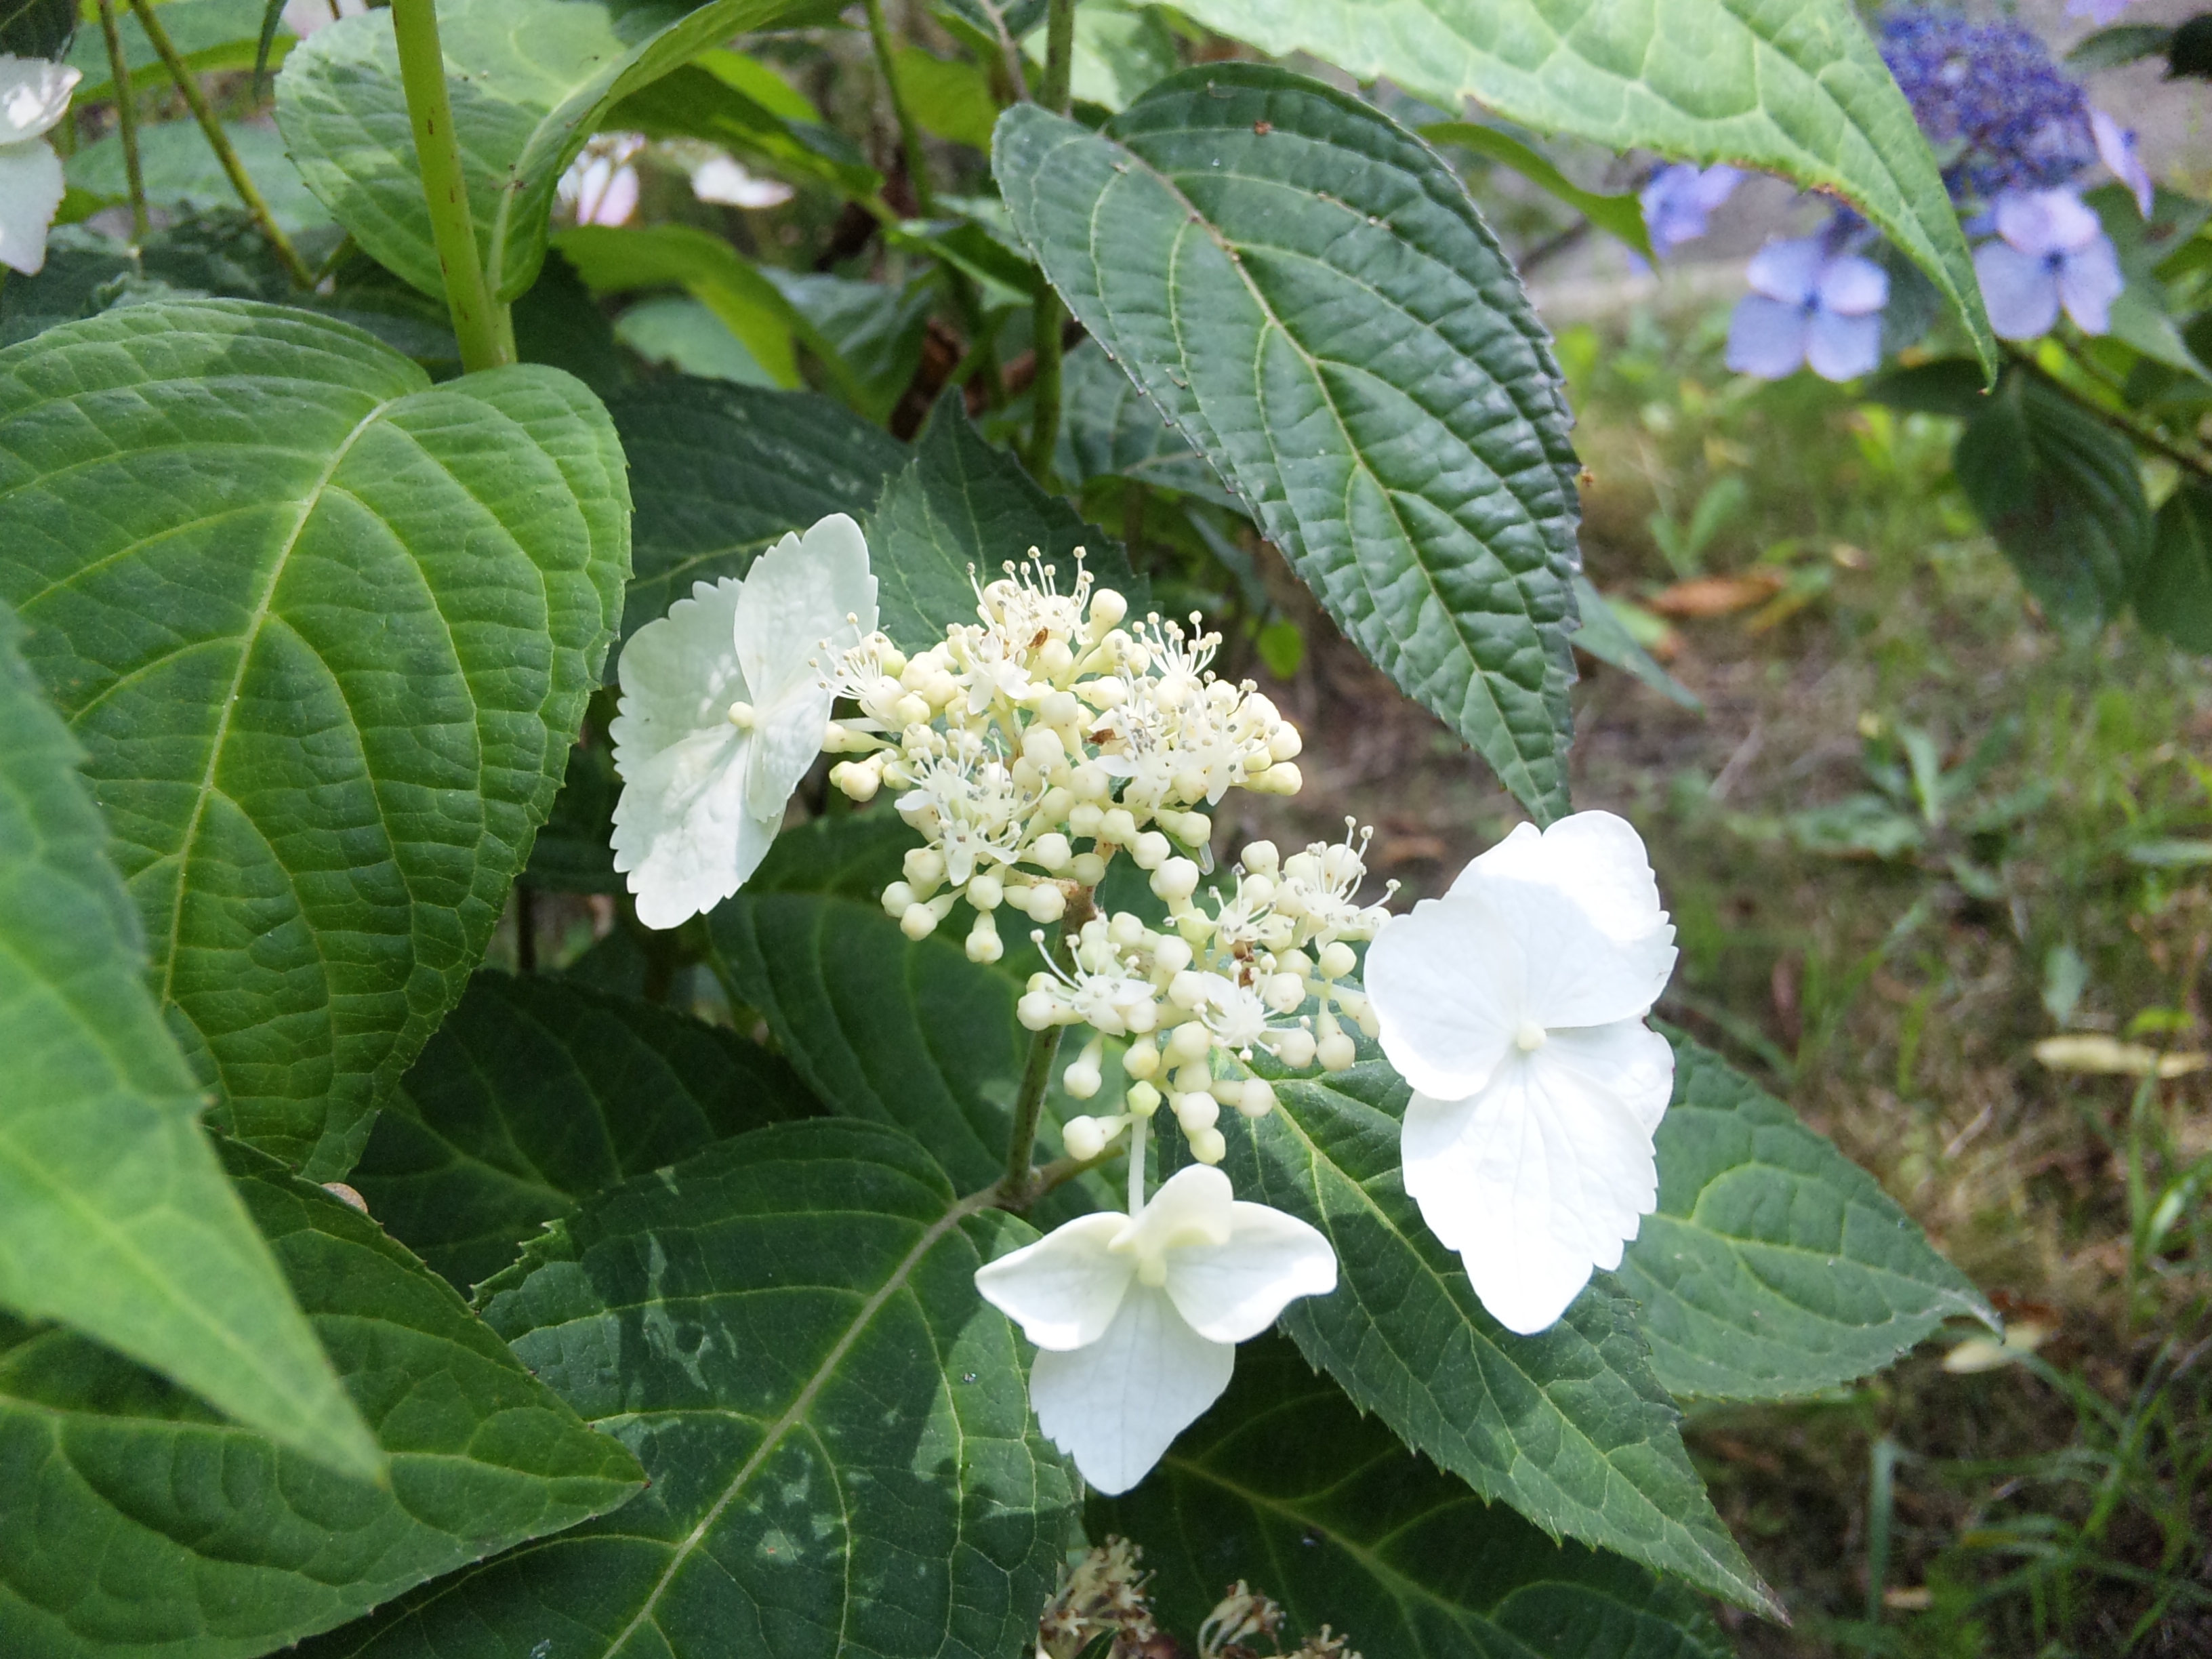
column 924, row 867
column 1090, row 782
column 1284, row 743
column 1141, row 1059
column 1336, row 1052
column 1025, row 775
column 984, row 943
column 1209, row 1146
column 1085, row 817
column 1261, row 858
column 857, row 780
column 919, row 923
column 893, row 660
column 1056, row 805
column 1151, row 849
column 1175, row 880
column 1258, row 1097
column 1170, row 955
column 1055, row 658
column 1121, row 828
column 1295, row 1048
column 1088, row 868
column 1296, row 962
column 1187, row 990
column 1126, row 929
column 912, row 709
column 1052, row 852
column 1041, row 747
column 1191, row 1079
column 1036, row 1012
column 1142, row 1017
column 1144, row 1099
column 1283, row 993
column 1059, row 708
column 1082, row 1077
column 986, row 892
column 1189, row 1041
column 1197, row 1112
column 1083, row 1137
column 897, row 898
column 1107, row 607
column 1337, row 960
column 1047, row 904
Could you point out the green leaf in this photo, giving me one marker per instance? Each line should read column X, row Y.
column 114, row 1215
column 2173, row 592
column 1107, row 429
column 1308, row 294
column 786, row 1331
column 181, row 171
column 535, row 1095
column 720, row 472
column 135, row 1523
column 1120, row 50
column 2120, row 45
column 1285, row 1486
column 720, row 97
column 961, row 506
column 1620, row 216
column 948, row 97
column 326, row 634
column 36, row 28
column 531, row 80
column 1946, row 386
column 1774, row 1265
column 1605, row 636
column 1793, row 87
column 211, row 36
column 2060, row 492
column 682, row 333
column 869, row 334
column 1570, row 1427
column 855, row 856
column 619, row 259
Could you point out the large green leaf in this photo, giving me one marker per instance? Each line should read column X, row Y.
column 180, row 171
column 1308, row 293
column 535, row 1095
column 114, row 1215
column 1107, row 429
column 621, row 258
column 959, row 513
column 1774, row 1265
column 721, row 471
column 1571, row 1427
column 1620, row 215
column 2172, row 592
column 1793, row 87
column 326, row 634
column 2061, row 493
column 209, row 35
column 135, row 1525
column 36, row 28
column 786, row 1331
column 1285, row 1486
column 530, row 80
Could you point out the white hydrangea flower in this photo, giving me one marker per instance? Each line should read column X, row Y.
column 1138, row 1317
column 1515, row 1006
column 34, row 96
column 725, row 704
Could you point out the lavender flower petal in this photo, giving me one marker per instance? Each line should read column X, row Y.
column 1842, row 347
column 1788, row 271
column 2020, row 290
column 2087, row 283
column 2116, row 147
column 2038, row 222
column 1767, row 337
column 1852, row 287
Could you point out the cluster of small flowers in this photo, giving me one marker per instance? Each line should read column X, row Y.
column 2002, row 116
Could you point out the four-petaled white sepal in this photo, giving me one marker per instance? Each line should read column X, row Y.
column 724, row 701
column 1515, row 1005
column 1138, row 1317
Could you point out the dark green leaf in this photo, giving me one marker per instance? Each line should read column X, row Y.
column 2190, row 51
column 134, row 1523
column 2173, row 592
column 619, row 260
column 1605, row 636
column 1948, row 385
column 1308, row 294
column 721, row 471
column 1793, row 87
column 2122, row 44
column 1570, row 1427
column 2059, row 490
column 710, row 97
column 574, row 852
column 961, row 507
column 854, row 857
column 211, row 36
column 80, row 263
column 1774, row 1265
column 36, row 28
column 1285, row 1486
column 786, row 1329
column 529, row 80
column 1620, row 216
column 114, row 1215
column 870, row 333
column 535, row 1095
column 1107, row 429
column 948, row 97
column 325, row 633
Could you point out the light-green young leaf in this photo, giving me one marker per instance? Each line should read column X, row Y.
column 1571, row 1427
column 324, row 632
column 530, row 82
column 1308, row 294
column 1285, row 1485
column 1774, row 1265
column 114, row 1215
column 786, row 1330
column 1793, row 87
column 135, row 1525
column 535, row 1095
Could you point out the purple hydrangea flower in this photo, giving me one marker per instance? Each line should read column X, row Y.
column 2116, row 147
column 2051, row 252
column 2099, row 12
column 1810, row 303
column 1680, row 201
column 2000, row 114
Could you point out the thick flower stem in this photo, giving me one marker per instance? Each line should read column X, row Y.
column 484, row 328
column 248, row 192
column 1049, row 313
column 1021, row 1187
column 917, row 161
column 126, row 119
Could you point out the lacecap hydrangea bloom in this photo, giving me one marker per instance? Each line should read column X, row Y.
column 1515, row 1005
column 34, row 96
column 1812, row 303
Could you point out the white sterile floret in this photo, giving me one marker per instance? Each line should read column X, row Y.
column 1515, row 1006
column 1138, row 1317
column 34, row 96
column 724, row 707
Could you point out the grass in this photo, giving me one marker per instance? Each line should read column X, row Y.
column 1916, row 832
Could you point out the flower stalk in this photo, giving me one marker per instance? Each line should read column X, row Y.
column 1049, row 313
column 1021, row 1187
column 483, row 327
column 249, row 193
column 126, row 119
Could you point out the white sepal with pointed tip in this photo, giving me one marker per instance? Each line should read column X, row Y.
column 723, row 704
column 1515, row 1006
column 1138, row 1318
column 34, row 96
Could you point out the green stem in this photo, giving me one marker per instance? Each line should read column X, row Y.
column 1019, row 1189
column 219, row 141
column 1059, row 57
column 126, row 118
column 2148, row 437
column 917, row 161
column 484, row 329
column 1049, row 313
